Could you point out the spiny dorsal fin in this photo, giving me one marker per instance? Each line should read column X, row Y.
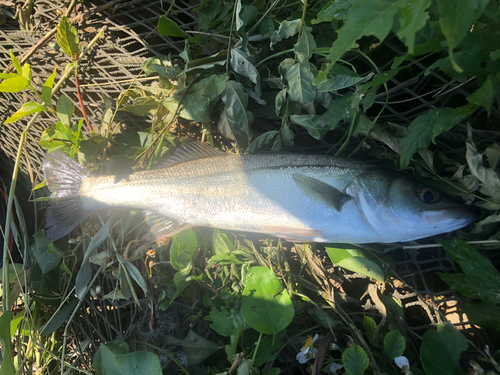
column 322, row 192
column 189, row 151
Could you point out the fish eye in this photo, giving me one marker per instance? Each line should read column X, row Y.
column 428, row 195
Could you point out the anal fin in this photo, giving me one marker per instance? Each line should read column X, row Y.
column 322, row 192
column 162, row 226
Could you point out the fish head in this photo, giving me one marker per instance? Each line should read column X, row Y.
column 400, row 209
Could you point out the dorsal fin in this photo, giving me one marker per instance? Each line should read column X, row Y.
column 189, row 151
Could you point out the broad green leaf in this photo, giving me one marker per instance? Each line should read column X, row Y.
column 456, row 18
column 280, row 99
column 370, row 327
column 341, row 81
column 266, row 304
column 267, row 27
column 262, row 140
column 167, row 27
column 26, row 72
column 85, row 273
column 7, row 75
column 315, row 127
column 473, row 287
column 440, row 350
column 108, row 363
column 334, row 9
column 356, row 261
column 65, row 109
column 373, row 17
column 355, row 360
column 14, row 84
column 267, row 345
column 7, row 366
column 483, row 314
column 39, row 250
column 58, row 319
column 300, row 81
column 242, row 65
column 67, row 37
column 425, row 128
column 196, row 347
column 484, row 95
column 209, row 13
column 285, row 30
column 193, row 107
column 221, row 244
column 146, row 106
column 27, row 109
column 305, row 46
column 47, row 88
column 183, row 249
column 16, row 63
column 212, row 86
column 220, row 321
column 412, row 18
column 235, row 119
column 394, row 344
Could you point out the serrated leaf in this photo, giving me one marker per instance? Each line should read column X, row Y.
column 285, row 30
column 14, row 84
column 47, row 88
column 65, row 109
column 67, row 37
column 167, row 27
column 394, row 344
column 266, row 305
column 355, row 360
column 483, row 314
column 456, row 18
column 220, row 322
column 366, row 18
column 425, row 128
column 27, row 109
column 300, row 81
column 236, row 120
column 412, row 18
column 440, row 350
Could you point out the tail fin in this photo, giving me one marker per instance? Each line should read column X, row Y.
column 66, row 208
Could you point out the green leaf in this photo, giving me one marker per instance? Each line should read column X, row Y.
column 67, row 37
column 65, row 109
column 261, row 141
column 209, row 13
column 39, row 250
column 315, row 127
column 425, row 128
column 456, row 18
column 483, row 314
column 14, row 84
column 58, row 319
column 16, row 63
column 26, row 72
column 183, row 249
column 490, row 180
column 484, row 95
column 412, row 18
column 193, row 107
column 212, row 86
column 394, row 344
column 370, row 327
column 473, row 287
column 440, row 350
column 366, row 18
column 220, row 321
column 356, row 261
column 196, row 347
column 7, row 75
column 300, row 81
column 135, row 274
column 285, row 30
column 242, row 65
column 167, row 27
column 108, row 363
column 27, row 109
column 355, row 360
column 338, row 9
column 221, row 244
column 305, row 46
column 266, row 304
column 47, row 88
column 7, row 367
column 341, row 81
column 235, row 119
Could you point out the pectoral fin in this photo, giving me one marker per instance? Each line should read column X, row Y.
column 322, row 192
column 162, row 226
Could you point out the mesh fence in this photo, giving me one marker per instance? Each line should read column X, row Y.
column 113, row 63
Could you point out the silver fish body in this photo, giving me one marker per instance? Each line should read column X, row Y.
column 296, row 197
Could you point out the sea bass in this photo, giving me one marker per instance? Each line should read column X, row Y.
column 293, row 196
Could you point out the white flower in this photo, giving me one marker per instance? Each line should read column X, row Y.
column 402, row 362
column 334, row 346
column 334, row 367
column 307, row 351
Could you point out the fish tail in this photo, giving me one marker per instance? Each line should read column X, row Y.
column 66, row 207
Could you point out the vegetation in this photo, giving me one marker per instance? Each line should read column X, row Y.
column 300, row 68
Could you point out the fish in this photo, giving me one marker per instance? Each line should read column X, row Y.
column 297, row 197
